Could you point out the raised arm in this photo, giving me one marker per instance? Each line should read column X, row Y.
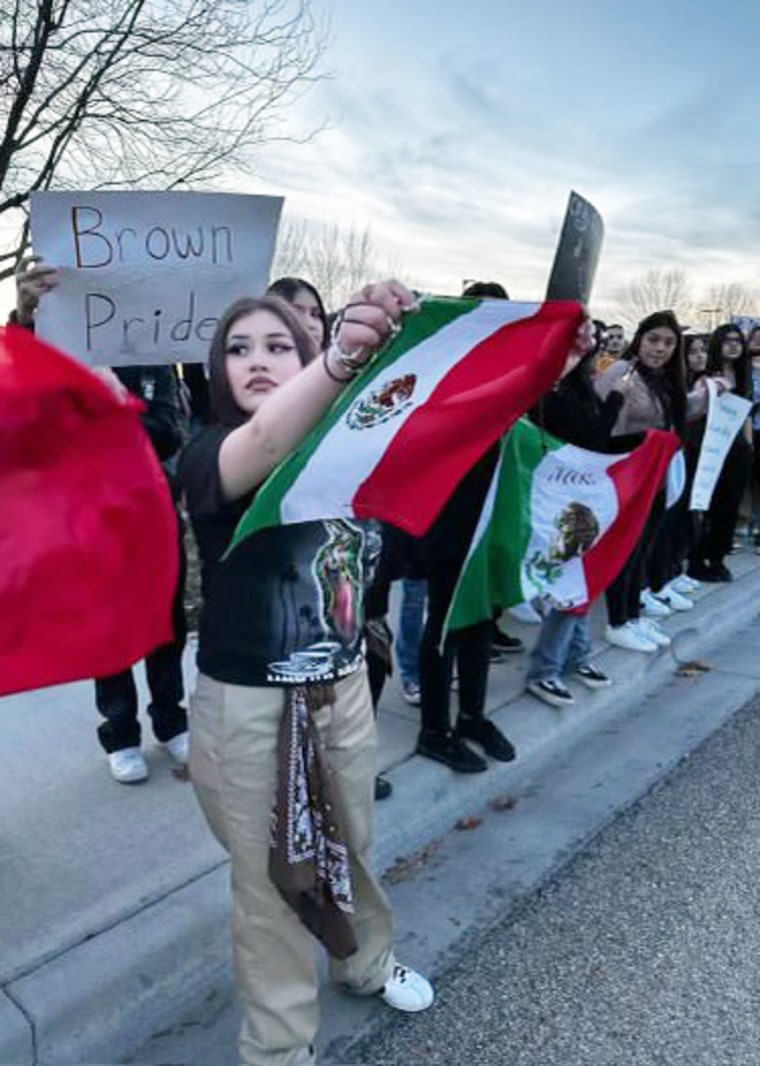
column 250, row 453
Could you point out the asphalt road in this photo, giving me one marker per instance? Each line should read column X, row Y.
column 569, row 926
column 643, row 950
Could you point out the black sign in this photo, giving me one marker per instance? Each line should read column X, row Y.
column 577, row 253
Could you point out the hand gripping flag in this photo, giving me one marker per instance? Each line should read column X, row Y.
column 399, row 439
column 88, row 533
column 559, row 522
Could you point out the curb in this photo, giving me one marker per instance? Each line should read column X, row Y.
column 537, row 731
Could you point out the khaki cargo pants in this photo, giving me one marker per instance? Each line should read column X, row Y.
column 233, row 731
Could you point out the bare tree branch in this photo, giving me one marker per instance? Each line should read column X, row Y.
column 656, row 290
column 146, row 93
column 336, row 261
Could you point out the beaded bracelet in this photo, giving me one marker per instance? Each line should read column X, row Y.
column 330, row 373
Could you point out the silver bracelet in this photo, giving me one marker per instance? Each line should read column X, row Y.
column 353, row 362
column 348, row 360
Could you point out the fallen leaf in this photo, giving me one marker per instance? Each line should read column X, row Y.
column 503, row 803
column 692, row 669
column 407, row 866
column 464, row 824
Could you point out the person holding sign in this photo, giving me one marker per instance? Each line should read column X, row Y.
column 116, row 696
column 283, row 744
column 727, row 361
column 753, row 348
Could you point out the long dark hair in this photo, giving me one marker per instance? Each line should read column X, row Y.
column 742, row 366
column 223, row 406
column 479, row 289
column 669, row 383
column 289, row 287
column 688, row 340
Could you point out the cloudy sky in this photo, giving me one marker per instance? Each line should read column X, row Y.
column 456, row 130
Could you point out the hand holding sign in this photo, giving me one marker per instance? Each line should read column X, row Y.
column 33, row 279
column 577, row 254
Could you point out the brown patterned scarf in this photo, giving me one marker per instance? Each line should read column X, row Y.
column 308, row 859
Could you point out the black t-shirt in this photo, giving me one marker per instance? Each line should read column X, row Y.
column 286, row 606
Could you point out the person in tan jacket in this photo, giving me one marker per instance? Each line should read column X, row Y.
column 652, row 381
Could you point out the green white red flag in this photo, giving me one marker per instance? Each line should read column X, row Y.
column 401, row 437
column 559, row 522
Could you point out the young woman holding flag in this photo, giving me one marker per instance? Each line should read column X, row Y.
column 283, row 744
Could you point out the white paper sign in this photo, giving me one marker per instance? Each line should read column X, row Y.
column 145, row 275
column 726, row 415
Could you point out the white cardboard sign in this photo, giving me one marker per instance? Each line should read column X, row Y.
column 145, row 275
column 726, row 415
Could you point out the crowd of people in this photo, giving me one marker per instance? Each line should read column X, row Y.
column 285, row 768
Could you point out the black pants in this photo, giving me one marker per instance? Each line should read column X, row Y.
column 671, row 545
column 471, row 646
column 720, row 521
column 624, row 594
column 116, row 696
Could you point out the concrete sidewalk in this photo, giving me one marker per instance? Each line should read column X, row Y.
column 114, row 917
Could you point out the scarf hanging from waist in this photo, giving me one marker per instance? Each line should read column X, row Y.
column 308, row 858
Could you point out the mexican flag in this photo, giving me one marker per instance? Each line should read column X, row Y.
column 88, row 535
column 406, row 431
column 559, row 522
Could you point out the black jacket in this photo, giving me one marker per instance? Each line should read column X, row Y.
column 574, row 413
column 163, row 418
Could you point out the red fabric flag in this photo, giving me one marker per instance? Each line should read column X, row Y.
column 88, row 534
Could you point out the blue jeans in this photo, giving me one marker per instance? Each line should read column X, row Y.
column 411, row 621
column 562, row 646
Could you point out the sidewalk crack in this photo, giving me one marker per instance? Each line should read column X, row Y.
column 27, row 1018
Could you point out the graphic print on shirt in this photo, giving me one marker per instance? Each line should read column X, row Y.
column 338, row 572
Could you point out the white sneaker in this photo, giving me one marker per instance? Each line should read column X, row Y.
column 128, row 766
column 650, row 630
column 628, row 636
column 693, row 583
column 684, row 584
column 652, row 607
column 179, row 748
column 408, row 990
column 410, row 690
column 525, row 613
column 674, row 599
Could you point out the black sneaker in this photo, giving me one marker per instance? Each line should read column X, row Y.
column 592, row 676
column 503, row 644
column 383, row 788
column 552, row 691
column 452, row 751
column 482, row 731
column 711, row 572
